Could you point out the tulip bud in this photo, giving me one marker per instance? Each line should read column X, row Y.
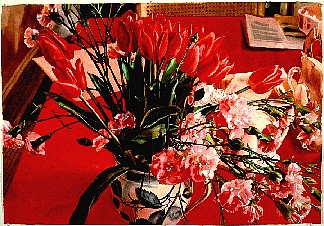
column 236, row 144
column 264, row 79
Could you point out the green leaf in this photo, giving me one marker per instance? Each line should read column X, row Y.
column 286, row 161
column 316, row 193
column 236, row 144
column 302, row 109
column 262, row 136
column 124, row 216
column 318, row 125
column 275, row 176
column 275, row 112
column 155, row 115
column 149, row 134
column 309, row 180
column 66, row 8
column 209, row 139
column 126, row 70
column 88, row 118
column 306, row 129
column 91, row 195
column 36, row 143
column 169, row 70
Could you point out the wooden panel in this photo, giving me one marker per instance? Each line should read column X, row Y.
column 21, row 77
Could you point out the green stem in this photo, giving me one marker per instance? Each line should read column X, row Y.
column 102, row 122
column 222, row 220
column 242, row 90
column 98, row 104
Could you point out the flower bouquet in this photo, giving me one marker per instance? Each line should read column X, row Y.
column 160, row 103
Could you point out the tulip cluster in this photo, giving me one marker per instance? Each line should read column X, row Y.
column 158, row 39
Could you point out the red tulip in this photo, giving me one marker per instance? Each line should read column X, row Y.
column 214, row 69
column 72, row 81
column 174, row 46
column 204, row 61
column 53, row 47
column 158, row 39
column 153, row 43
column 209, row 45
column 128, row 32
column 264, row 79
column 191, row 60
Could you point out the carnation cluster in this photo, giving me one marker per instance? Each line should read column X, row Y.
column 163, row 109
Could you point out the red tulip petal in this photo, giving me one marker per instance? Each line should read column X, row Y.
column 206, row 44
column 162, row 45
column 191, row 60
column 63, row 72
column 261, row 75
column 69, row 90
column 53, row 46
column 264, row 79
column 174, row 47
column 207, row 67
column 123, row 37
column 145, row 46
column 136, row 34
column 219, row 76
column 217, row 43
column 80, row 75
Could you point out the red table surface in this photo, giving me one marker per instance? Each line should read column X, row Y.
column 46, row 189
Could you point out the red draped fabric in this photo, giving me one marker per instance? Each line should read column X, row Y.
column 46, row 189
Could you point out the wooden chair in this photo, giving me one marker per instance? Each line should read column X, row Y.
column 202, row 8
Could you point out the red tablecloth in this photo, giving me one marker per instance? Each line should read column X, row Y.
column 46, row 189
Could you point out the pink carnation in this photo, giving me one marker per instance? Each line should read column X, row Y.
column 32, row 136
column 168, row 167
column 310, row 139
column 202, row 162
column 311, row 117
column 120, row 121
column 125, row 120
column 8, row 140
column 100, row 141
column 29, row 35
column 277, row 136
column 192, row 129
column 302, row 208
column 292, row 186
column 236, row 194
column 237, row 113
column 254, row 212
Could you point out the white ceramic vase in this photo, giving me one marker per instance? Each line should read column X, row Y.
column 140, row 199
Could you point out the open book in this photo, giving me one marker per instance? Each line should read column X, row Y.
column 266, row 32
